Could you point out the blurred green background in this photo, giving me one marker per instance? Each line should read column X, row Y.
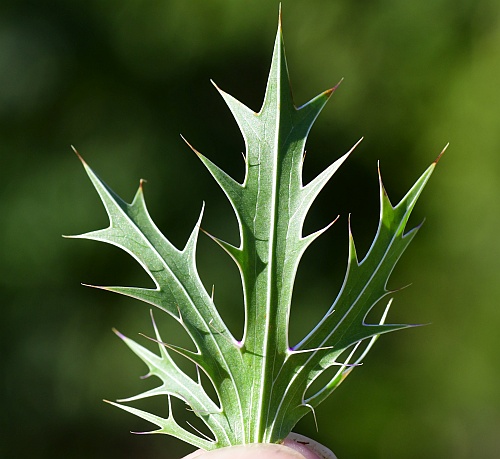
column 121, row 79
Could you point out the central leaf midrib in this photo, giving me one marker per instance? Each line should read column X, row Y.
column 268, row 334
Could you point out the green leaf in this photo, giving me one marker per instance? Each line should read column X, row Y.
column 262, row 381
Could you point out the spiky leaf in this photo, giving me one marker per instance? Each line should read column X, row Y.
column 262, row 380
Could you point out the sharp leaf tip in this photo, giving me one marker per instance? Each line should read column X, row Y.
column 441, row 154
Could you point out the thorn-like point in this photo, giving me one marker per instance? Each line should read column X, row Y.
column 211, row 236
column 78, row 154
column 381, row 183
column 190, row 146
column 142, row 433
column 441, row 154
column 327, row 227
column 336, row 86
column 152, row 339
column 418, row 325
column 313, row 413
column 399, row 289
column 117, row 333
column 219, row 90
column 280, row 18
column 355, row 145
column 214, row 84
column 99, row 287
column 333, row 221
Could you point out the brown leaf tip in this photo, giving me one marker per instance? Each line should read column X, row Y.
column 442, row 152
column 190, row 146
column 337, row 85
column 78, row 154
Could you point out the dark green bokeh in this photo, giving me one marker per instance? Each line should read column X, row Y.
column 121, row 79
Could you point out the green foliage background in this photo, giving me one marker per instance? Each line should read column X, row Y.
column 121, row 79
